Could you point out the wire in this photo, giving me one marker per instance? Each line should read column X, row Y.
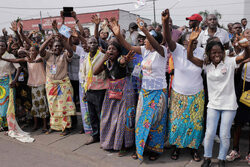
column 81, row 7
column 222, row 4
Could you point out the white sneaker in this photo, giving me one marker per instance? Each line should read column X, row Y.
column 233, row 155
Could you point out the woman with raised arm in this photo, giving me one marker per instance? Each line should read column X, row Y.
column 185, row 119
column 58, row 87
column 151, row 113
column 222, row 102
column 36, row 81
column 118, row 110
column 7, row 70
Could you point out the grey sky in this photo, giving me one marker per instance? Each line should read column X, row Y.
column 231, row 10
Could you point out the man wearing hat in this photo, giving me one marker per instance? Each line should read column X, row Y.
column 133, row 34
column 194, row 21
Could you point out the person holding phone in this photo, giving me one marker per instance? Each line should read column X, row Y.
column 151, row 115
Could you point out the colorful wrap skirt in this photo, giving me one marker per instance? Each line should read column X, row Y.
column 4, row 100
column 39, row 102
column 118, row 115
column 185, row 120
column 61, row 105
column 151, row 119
column 84, row 110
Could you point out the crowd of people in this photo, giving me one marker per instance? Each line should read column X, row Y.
column 138, row 90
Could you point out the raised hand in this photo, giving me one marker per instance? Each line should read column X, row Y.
column 5, row 33
column 95, row 19
column 114, row 26
column 165, row 15
column 54, row 25
column 242, row 41
column 195, row 34
column 10, row 40
column 130, row 56
column 14, row 26
column 61, row 14
column 107, row 56
column 20, row 26
column 73, row 14
column 140, row 23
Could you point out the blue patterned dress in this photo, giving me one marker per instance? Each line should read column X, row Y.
column 151, row 119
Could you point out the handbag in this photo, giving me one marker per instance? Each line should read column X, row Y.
column 245, row 96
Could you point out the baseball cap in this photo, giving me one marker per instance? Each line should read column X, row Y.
column 195, row 17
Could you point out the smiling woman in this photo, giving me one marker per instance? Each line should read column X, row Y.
column 6, row 71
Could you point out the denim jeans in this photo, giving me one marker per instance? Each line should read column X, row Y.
column 213, row 117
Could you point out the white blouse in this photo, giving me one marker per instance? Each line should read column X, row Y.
column 187, row 76
column 220, row 83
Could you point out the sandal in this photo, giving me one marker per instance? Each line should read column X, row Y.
column 134, row 156
column 122, row 153
column 1, row 129
column 175, row 154
column 65, row 132
column 44, row 130
column 153, row 156
column 196, row 157
column 49, row 131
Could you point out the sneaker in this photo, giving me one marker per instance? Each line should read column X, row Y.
column 222, row 163
column 248, row 159
column 206, row 163
column 233, row 155
column 217, row 139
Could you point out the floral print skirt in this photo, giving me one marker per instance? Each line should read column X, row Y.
column 151, row 119
column 39, row 102
column 61, row 105
column 185, row 120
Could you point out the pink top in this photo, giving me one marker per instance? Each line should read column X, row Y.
column 37, row 76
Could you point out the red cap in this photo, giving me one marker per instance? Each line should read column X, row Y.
column 195, row 17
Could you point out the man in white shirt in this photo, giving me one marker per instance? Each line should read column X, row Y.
column 213, row 31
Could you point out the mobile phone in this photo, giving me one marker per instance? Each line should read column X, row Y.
column 40, row 27
column 67, row 11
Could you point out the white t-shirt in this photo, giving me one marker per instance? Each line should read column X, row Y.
column 153, row 68
column 220, row 33
column 7, row 68
column 220, row 83
column 80, row 51
column 187, row 76
column 248, row 72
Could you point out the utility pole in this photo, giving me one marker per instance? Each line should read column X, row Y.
column 154, row 11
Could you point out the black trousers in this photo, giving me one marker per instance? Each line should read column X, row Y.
column 95, row 99
column 75, row 85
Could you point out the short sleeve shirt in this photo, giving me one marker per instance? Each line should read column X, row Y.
column 220, row 83
column 153, row 68
column 187, row 76
column 7, row 68
column 220, row 33
column 61, row 63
